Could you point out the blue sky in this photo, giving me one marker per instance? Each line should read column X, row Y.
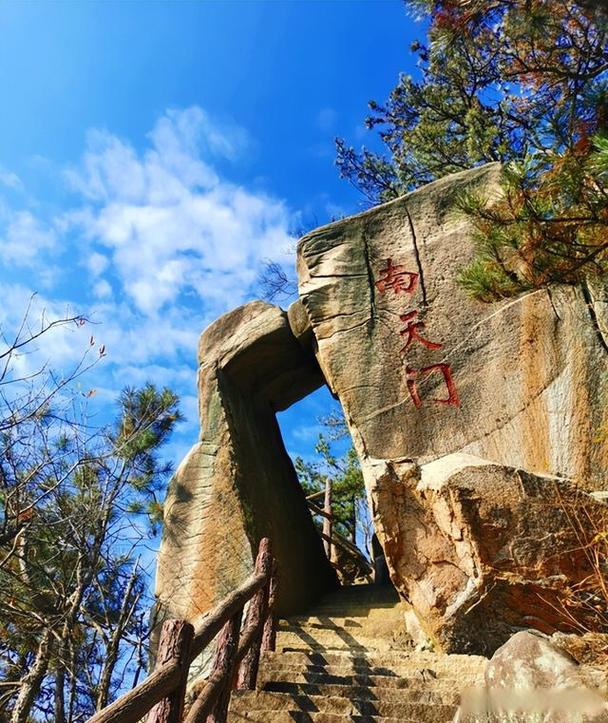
column 153, row 155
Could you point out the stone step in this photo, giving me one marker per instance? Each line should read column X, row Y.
column 364, row 591
column 410, row 659
column 299, row 716
column 380, row 626
column 248, row 701
column 342, row 619
column 353, row 608
column 408, row 678
column 339, row 638
column 329, row 623
column 403, row 694
column 321, row 634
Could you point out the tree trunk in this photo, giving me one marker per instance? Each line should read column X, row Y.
column 113, row 646
column 32, row 680
column 59, row 703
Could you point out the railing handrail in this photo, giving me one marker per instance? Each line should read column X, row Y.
column 214, row 621
column 320, row 511
column 341, row 541
column 334, row 537
column 166, row 677
column 314, row 495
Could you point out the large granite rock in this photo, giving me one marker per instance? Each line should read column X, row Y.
column 473, row 423
column 237, row 484
column 521, row 382
column 481, row 550
column 424, row 372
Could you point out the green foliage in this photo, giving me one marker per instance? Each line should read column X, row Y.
column 522, row 82
column 76, row 505
column 344, row 473
column 549, row 226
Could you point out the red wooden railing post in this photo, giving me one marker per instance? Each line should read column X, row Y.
column 327, row 520
column 225, row 659
column 174, row 646
column 269, row 636
column 257, row 611
column 211, row 706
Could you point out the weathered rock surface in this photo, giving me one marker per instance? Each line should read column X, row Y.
column 482, row 550
column 424, row 373
column 530, row 678
column 237, row 484
column 528, row 375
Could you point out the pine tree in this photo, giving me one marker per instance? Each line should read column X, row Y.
column 76, row 503
column 521, row 82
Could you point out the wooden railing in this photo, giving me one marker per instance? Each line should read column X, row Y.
column 330, row 536
column 237, row 657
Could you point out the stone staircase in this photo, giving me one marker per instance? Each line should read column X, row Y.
column 350, row 659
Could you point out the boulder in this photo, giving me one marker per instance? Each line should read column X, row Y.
column 482, row 550
column 423, row 370
column 477, row 425
column 238, row 484
column 531, row 678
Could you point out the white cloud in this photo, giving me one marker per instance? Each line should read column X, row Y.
column 155, row 246
column 102, row 289
column 169, row 223
column 24, row 238
column 97, row 263
column 10, row 179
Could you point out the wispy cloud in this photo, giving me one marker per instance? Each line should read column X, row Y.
column 167, row 222
column 10, row 179
column 24, row 238
column 155, row 244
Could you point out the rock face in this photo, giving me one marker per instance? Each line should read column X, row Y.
column 481, row 550
column 474, row 424
column 422, row 370
column 237, row 484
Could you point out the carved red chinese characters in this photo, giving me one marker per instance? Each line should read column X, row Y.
column 412, row 332
column 397, row 278
column 400, row 280
column 415, row 374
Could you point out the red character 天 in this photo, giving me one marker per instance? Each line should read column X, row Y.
column 395, row 277
column 412, row 332
column 415, row 374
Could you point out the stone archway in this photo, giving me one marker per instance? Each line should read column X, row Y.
column 238, row 483
column 472, row 423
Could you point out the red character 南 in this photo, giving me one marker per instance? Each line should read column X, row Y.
column 395, row 277
column 415, row 374
column 412, row 332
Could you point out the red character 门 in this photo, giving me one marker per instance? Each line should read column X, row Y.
column 415, row 374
